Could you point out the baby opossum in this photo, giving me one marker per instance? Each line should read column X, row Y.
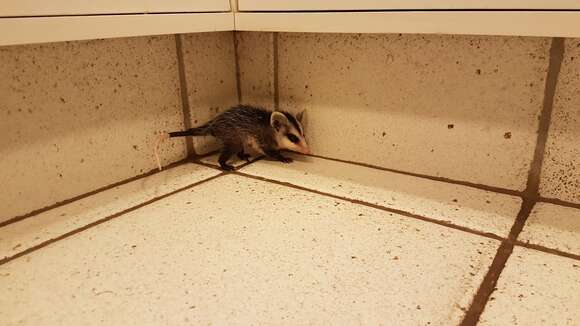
column 245, row 128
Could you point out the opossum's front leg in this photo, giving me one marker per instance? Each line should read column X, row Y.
column 277, row 155
column 243, row 156
column 225, row 155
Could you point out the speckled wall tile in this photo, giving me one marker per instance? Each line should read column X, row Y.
column 561, row 169
column 77, row 116
column 256, row 64
column 210, row 71
column 462, row 107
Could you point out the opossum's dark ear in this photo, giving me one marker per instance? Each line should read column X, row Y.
column 277, row 119
column 299, row 116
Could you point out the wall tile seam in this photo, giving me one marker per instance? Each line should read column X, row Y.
column 238, row 70
column 275, row 63
column 185, row 107
column 556, row 57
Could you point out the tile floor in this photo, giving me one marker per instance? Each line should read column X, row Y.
column 312, row 242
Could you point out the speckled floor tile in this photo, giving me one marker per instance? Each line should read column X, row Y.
column 461, row 107
column 37, row 229
column 76, row 116
column 236, row 251
column 561, row 168
column 473, row 208
column 553, row 226
column 535, row 288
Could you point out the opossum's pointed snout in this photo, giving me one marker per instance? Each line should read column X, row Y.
column 305, row 150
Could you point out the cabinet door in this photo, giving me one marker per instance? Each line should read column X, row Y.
column 187, row 5
column 68, row 7
column 11, row 8
column 323, row 5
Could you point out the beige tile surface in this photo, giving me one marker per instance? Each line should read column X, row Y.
column 37, row 229
column 76, row 116
column 462, row 107
column 473, row 208
column 256, row 64
column 210, row 71
column 266, row 255
column 554, row 227
column 535, row 288
column 561, row 168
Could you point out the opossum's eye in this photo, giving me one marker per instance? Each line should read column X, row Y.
column 293, row 138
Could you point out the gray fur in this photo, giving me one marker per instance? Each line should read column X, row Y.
column 241, row 125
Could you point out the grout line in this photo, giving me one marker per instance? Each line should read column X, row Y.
column 216, row 167
column 425, row 176
column 499, row 190
column 275, row 68
column 560, row 202
column 237, row 61
column 183, row 92
column 375, row 206
column 208, row 165
column 103, row 220
column 256, row 159
column 556, row 58
column 90, row 193
column 547, row 250
column 488, row 285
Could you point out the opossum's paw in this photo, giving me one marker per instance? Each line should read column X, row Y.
column 286, row 159
column 227, row 167
column 244, row 156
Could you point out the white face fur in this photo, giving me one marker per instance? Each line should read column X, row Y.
column 289, row 136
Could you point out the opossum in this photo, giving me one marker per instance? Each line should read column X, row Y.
column 245, row 128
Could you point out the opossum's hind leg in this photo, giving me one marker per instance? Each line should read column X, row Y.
column 227, row 152
column 243, row 156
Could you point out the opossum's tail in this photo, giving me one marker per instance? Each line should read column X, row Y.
column 198, row 131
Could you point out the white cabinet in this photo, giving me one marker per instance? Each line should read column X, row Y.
column 508, row 23
column 473, row 17
column 37, row 21
column 68, row 7
column 346, row 5
column 187, row 5
column 11, row 8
